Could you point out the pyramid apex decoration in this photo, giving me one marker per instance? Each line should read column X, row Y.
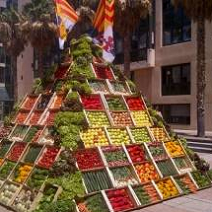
column 85, row 139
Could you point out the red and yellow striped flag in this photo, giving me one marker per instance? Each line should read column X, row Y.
column 66, row 19
column 103, row 23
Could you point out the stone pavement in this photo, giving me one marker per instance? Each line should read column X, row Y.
column 199, row 202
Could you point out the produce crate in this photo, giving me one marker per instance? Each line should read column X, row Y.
column 167, row 188
column 92, row 203
column 30, row 102
column 137, row 153
column 94, row 137
column 97, row 119
column 203, row 181
column 115, row 103
column 141, row 118
column 115, row 156
column 32, row 153
column 94, row 162
column 16, row 151
column 103, row 72
column 1, row 182
column 118, row 136
column 47, row 136
column 121, row 119
column 35, row 117
column 146, row 172
column 48, row 157
column 174, row 149
column 92, row 102
column 33, row 134
column 6, row 169
column 1, row 161
column 19, row 132
column 43, row 102
column 21, row 116
column 183, row 164
column 166, row 167
column 146, row 194
column 21, row 173
column 96, row 180
column 135, row 103
column 5, row 132
column 186, row 183
column 8, row 192
column 121, row 199
column 5, row 146
column 48, row 117
column 209, row 174
column 160, row 134
column 119, row 87
column 48, row 195
column 57, row 102
column 24, row 200
column 157, row 151
column 99, row 86
column 140, row 135
column 123, row 176
column 61, row 72
column 37, row 178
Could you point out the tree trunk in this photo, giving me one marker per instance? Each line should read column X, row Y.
column 40, row 63
column 14, row 77
column 201, row 76
column 127, row 57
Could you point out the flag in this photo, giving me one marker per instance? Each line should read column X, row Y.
column 103, row 24
column 66, row 19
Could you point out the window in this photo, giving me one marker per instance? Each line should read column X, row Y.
column 2, row 75
column 176, row 80
column 176, row 25
column 139, row 43
column 175, row 113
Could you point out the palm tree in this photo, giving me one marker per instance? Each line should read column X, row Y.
column 13, row 40
column 127, row 17
column 40, row 28
column 199, row 11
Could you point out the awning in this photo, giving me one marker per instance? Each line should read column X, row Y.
column 4, row 95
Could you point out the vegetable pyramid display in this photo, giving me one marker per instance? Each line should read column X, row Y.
column 87, row 143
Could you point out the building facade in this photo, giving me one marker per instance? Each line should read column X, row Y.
column 168, row 75
column 24, row 69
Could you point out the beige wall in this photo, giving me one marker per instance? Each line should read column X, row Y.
column 25, row 73
column 178, row 54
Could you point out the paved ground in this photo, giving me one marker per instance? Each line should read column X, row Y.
column 199, row 202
